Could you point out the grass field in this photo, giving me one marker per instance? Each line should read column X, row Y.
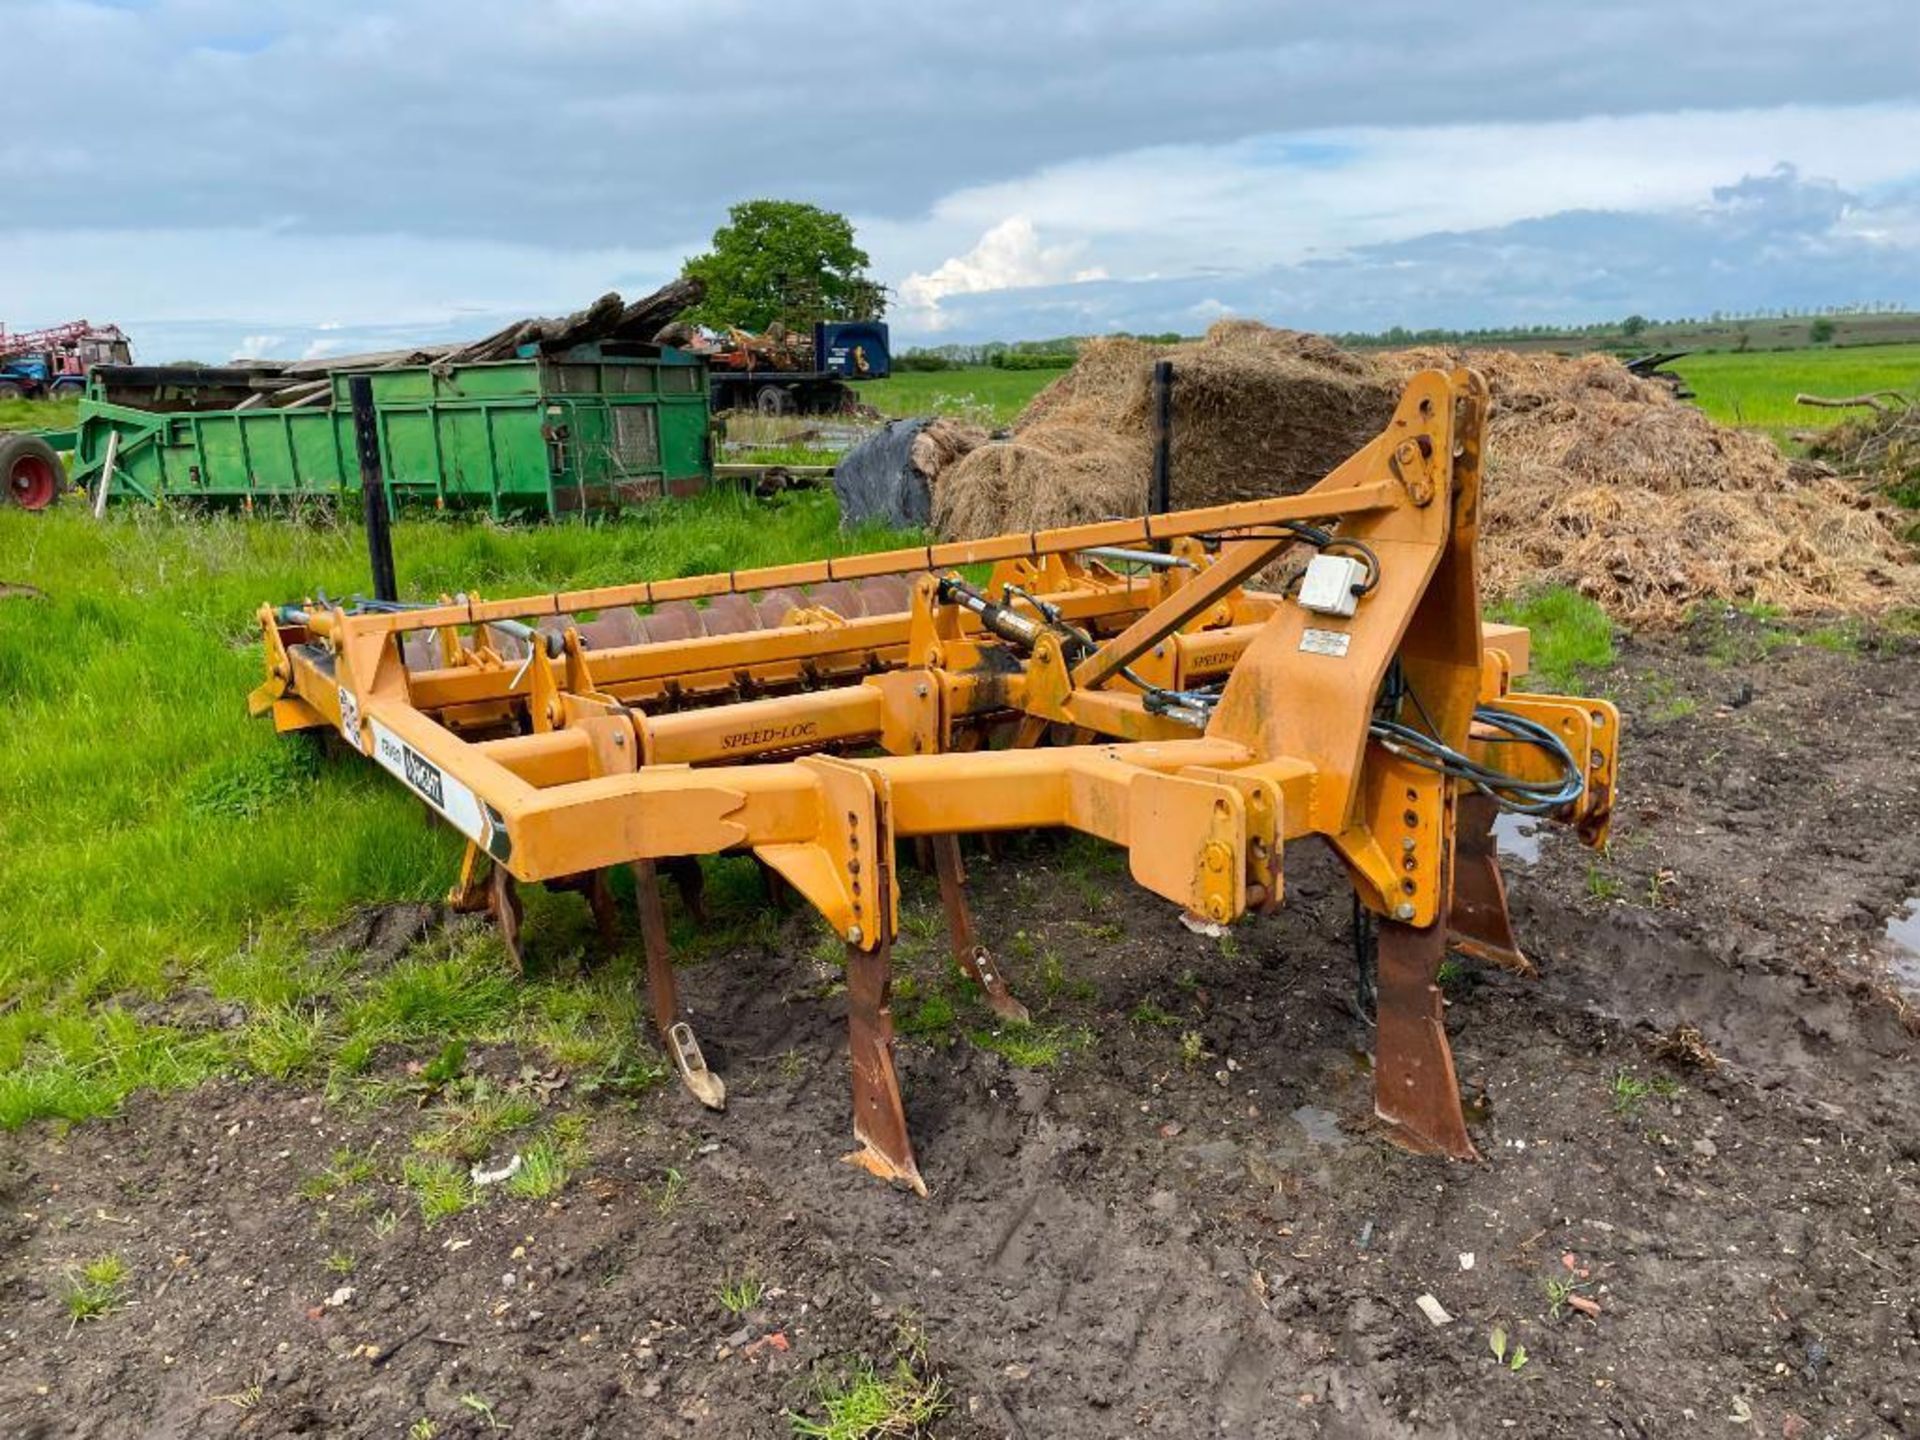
column 1756, row 388
column 39, row 414
column 980, row 393
column 154, row 841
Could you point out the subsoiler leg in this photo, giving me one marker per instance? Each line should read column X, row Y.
column 974, row 959
column 1415, row 1089
column 879, row 1119
column 663, row 992
column 1481, row 923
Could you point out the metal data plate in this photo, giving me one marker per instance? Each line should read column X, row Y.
column 1324, row 642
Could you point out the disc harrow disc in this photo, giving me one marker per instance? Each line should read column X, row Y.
column 730, row 615
column 611, row 629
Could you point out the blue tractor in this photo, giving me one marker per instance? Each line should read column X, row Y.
column 52, row 364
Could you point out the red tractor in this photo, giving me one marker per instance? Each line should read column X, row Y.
column 52, row 364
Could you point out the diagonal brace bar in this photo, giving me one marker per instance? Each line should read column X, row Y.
column 1220, row 579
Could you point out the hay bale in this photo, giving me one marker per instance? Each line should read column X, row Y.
column 1256, row 412
column 887, row 478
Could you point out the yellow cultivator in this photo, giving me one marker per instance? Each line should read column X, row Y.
column 1120, row 679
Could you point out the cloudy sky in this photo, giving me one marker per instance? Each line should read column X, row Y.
column 291, row 177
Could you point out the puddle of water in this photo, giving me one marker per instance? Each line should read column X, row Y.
column 1903, row 935
column 1322, row 1126
column 1518, row 836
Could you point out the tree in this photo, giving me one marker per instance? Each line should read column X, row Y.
column 783, row 260
column 1633, row 325
column 1820, row 331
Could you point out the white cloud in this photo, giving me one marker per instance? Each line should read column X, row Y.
column 1303, row 134
column 1007, row 256
column 253, row 347
column 320, row 349
column 273, row 290
column 1276, row 198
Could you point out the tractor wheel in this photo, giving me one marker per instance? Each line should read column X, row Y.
column 11, row 391
column 30, row 471
column 66, row 390
column 773, row 400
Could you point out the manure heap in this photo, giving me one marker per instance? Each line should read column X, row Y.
column 1597, row 480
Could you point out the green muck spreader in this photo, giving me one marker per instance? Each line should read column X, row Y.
column 548, row 432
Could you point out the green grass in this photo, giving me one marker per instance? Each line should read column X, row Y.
column 980, row 393
column 442, row 1187
column 345, row 1169
column 469, row 1129
column 1032, row 1047
column 871, row 1405
column 39, row 414
column 95, row 1288
column 1756, row 388
column 549, row 1162
column 740, row 1294
column 1148, row 1013
column 1571, row 637
column 162, row 840
column 1628, row 1091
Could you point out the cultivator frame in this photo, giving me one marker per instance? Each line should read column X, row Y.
column 1118, row 678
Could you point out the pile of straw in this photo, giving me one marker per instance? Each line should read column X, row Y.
column 1606, row 483
column 1256, row 412
column 1596, row 479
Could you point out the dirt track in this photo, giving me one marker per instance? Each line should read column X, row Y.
column 1128, row 1243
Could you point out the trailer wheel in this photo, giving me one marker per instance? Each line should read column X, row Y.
column 773, row 400
column 30, row 471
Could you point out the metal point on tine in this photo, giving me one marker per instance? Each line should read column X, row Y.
column 707, row 1087
column 1415, row 1089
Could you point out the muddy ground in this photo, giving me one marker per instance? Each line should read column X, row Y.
column 1158, row 1235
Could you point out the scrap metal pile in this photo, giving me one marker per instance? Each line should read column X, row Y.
column 1116, row 678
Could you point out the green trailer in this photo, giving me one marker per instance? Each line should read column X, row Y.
column 594, row 427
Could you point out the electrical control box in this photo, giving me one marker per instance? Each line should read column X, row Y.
column 1332, row 584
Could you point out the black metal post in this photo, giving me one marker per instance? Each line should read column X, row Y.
column 373, row 488
column 1160, row 496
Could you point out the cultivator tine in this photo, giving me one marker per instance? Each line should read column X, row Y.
column 662, row 989
column 664, row 993
column 471, row 893
column 779, row 894
column 504, row 901
column 974, row 959
column 605, row 918
column 879, row 1119
column 1415, row 1089
column 690, row 879
column 1481, row 924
